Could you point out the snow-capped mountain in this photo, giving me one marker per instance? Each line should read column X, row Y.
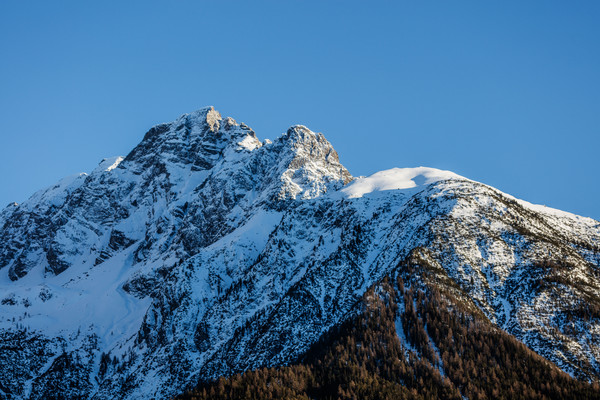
column 207, row 251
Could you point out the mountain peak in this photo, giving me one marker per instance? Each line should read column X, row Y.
column 300, row 134
column 198, row 138
column 300, row 162
column 312, row 165
column 203, row 116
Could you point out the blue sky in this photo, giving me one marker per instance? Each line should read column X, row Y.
column 506, row 93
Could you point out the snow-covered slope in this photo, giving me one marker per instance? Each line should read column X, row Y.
column 206, row 251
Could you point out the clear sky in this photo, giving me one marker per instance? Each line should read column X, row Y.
column 503, row 92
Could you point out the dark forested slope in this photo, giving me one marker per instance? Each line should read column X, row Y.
column 417, row 336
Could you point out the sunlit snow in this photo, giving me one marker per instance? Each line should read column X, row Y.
column 397, row 178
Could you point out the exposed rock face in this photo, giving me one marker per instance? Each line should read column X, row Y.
column 206, row 251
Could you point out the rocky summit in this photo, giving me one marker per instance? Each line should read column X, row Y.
column 206, row 252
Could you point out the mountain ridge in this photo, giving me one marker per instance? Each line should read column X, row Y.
column 205, row 252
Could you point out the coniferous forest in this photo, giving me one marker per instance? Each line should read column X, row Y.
column 448, row 350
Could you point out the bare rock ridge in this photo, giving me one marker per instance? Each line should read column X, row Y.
column 206, row 251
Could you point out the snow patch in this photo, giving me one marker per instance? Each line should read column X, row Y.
column 249, row 143
column 108, row 164
column 397, row 178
